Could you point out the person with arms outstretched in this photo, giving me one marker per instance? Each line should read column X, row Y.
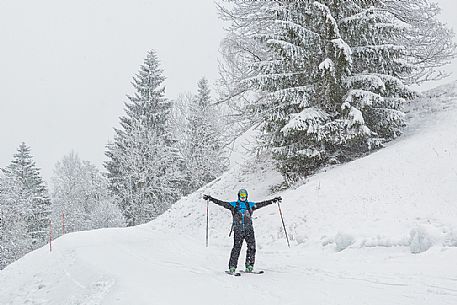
column 243, row 229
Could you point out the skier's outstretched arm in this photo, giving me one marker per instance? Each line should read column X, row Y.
column 262, row 204
column 218, row 202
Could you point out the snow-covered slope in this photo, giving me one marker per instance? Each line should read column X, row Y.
column 378, row 230
column 402, row 195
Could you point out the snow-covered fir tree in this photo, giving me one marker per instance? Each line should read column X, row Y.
column 205, row 159
column 25, row 207
column 330, row 76
column 80, row 199
column 32, row 193
column 203, row 132
column 180, row 121
column 145, row 169
column 14, row 238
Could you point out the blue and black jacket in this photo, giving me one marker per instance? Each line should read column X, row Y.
column 242, row 211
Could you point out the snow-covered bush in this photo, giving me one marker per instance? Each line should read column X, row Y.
column 420, row 240
column 451, row 239
column 342, row 241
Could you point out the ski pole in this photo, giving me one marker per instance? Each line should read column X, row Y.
column 231, row 230
column 207, row 221
column 284, row 226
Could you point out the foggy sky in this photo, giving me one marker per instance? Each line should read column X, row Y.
column 66, row 66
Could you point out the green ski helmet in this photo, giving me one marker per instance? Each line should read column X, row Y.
column 242, row 193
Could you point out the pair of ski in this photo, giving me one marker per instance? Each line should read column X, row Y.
column 242, row 271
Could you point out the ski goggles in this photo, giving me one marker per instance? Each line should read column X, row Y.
column 243, row 195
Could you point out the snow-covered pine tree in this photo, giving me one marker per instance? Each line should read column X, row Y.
column 381, row 65
column 80, row 193
column 311, row 126
column 330, row 76
column 145, row 169
column 14, row 238
column 32, row 194
column 180, row 120
column 296, row 60
column 24, row 208
column 204, row 155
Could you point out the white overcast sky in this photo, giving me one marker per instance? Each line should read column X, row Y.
column 66, row 66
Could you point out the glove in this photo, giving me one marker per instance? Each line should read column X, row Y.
column 276, row 199
column 207, row 197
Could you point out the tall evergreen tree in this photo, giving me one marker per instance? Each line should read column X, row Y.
column 330, row 76
column 24, row 207
column 145, row 169
column 14, row 238
column 205, row 157
column 32, row 193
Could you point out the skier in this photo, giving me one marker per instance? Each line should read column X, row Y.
column 243, row 229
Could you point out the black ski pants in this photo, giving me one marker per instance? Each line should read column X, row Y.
column 239, row 235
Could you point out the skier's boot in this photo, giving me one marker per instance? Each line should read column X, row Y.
column 232, row 270
column 249, row 268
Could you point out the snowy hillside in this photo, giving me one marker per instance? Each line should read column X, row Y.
column 403, row 195
column 378, row 230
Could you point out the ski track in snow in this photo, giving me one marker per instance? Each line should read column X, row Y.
column 348, row 247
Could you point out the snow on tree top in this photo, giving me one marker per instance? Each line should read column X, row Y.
column 327, row 65
column 328, row 16
column 344, row 47
column 305, row 120
column 368, row 81
column 363, row 98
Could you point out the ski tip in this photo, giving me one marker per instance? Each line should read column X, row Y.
column 234, row 274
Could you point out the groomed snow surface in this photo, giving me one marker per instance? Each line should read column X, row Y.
column 379, row 230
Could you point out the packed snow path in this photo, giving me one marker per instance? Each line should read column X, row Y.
column 146, row 266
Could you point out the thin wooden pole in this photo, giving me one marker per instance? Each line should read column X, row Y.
column 284, row 226
column 207, row 221
column 50, row 235
column 63, row 223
